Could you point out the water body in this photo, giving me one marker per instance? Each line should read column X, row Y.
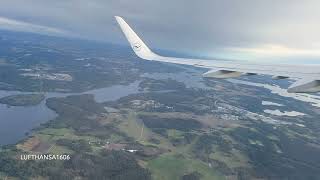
column 268, row 103
column 15, row 122
column 313, row 99
column 285, row 113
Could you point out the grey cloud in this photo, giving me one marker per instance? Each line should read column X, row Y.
column 10, row 24
column 201, row 26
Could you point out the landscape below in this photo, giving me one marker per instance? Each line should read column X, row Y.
column 168, row 130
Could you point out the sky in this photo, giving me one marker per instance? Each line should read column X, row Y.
column 254, row 30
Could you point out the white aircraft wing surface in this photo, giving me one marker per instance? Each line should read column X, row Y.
column 308, row 75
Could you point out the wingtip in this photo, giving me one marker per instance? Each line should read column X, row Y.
column 138, row 46
column 118, row 17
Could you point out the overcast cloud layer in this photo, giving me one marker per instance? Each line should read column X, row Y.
column 228, row 29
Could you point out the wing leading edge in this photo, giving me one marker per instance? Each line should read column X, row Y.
column 309, row 75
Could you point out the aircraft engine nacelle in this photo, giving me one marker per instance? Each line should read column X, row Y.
column 310, row 87
column 221, row 74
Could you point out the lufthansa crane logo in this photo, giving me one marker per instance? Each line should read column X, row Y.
column 137, row 46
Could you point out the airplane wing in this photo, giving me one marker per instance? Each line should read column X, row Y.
column 308, row 75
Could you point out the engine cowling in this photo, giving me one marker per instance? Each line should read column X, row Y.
column 221, row 74
column 310, row 87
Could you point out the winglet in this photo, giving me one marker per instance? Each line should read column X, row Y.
column 138, row 46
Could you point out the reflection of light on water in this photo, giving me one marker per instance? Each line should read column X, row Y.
column 285, row 113
column 268, row 103
column 314, row 100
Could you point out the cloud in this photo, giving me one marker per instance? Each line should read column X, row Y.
column 11, row 24
column 278, row 53
column 277, row 50
column 199, row 27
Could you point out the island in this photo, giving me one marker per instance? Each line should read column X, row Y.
column 23, row 99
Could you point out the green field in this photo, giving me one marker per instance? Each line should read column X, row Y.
column 173, row 167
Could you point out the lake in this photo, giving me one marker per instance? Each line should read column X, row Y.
column 15, row 121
